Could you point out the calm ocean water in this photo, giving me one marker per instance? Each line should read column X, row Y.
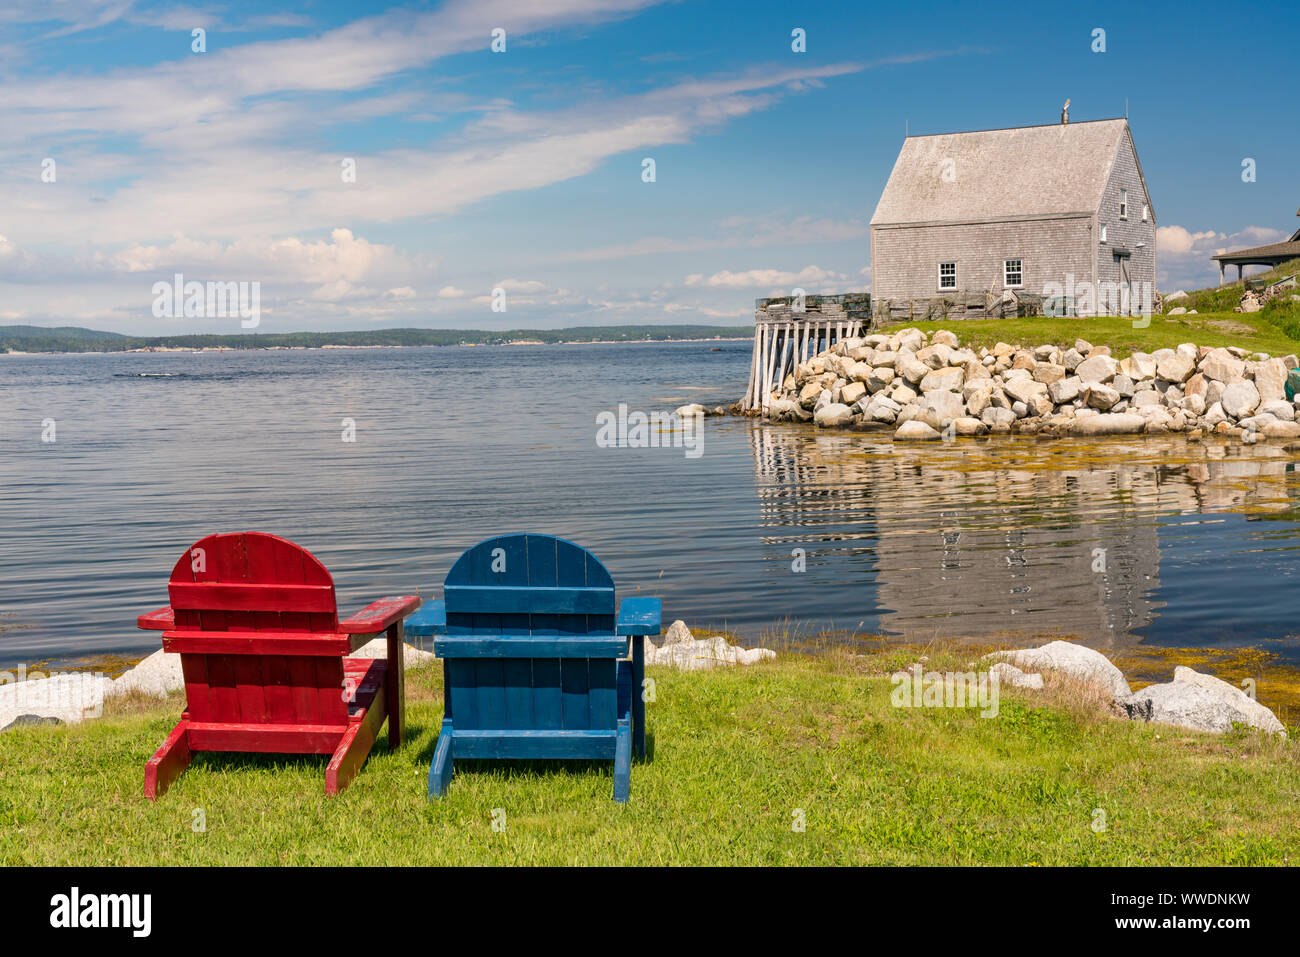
column 1113, row 542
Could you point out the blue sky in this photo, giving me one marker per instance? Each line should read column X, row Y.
column 522, row 170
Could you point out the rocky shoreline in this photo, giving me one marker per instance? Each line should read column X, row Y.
column 72, row 697
column 1193, row 700
column 931, row 388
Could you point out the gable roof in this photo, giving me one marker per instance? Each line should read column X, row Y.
column 1001, row 174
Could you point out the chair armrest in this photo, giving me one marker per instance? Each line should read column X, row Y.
column 162, row 619
column 377, row 616
column 638, row 616
column 429, row 621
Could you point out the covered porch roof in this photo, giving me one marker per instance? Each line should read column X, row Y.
column 1274, row 254
column 1271, row 255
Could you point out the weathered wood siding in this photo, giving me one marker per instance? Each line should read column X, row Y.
column 1125, row 174
column 905, row 259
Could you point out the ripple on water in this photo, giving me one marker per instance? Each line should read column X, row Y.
column 1112, row 541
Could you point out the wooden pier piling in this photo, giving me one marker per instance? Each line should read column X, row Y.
column 786, row 336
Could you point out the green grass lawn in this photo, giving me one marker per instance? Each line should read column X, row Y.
column 1254, row 332
column 736, row 753
column 1274, row 330
column 1223, row 298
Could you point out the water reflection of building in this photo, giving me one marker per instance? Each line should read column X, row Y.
column 1018, row 537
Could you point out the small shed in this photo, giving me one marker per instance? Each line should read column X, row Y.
column 1038, row 212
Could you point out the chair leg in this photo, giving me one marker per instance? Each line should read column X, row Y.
column 395, row 686
column 623, row 762
column 441, row 769
column 638, row 702
column 355, row 745
column 168, row 761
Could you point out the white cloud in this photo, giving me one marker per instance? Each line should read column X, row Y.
column 340, row 290
column 763, row 277
column 220, row 167
column 521, row 285
column 1183, row 255
column 229, row 137
column 215, row 165
column 1177, row 241
column 344, row 257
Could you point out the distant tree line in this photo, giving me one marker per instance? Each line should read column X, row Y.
column 71, row 339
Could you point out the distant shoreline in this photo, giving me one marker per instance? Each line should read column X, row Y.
column 189, row 350
column 69, row 340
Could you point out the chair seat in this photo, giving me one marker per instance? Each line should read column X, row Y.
column 530, row 646
column 363, row 682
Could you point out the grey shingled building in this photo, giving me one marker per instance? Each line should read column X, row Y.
column 1013, row 212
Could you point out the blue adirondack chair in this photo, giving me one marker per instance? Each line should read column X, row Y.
column 535, row 658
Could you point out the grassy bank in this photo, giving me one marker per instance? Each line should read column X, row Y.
column 737, row 752
column 1274, row 330
column 1224, row 298
column 1253, row 331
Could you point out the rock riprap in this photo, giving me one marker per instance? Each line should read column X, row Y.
column 73, row 697
column 680, row 649
column 930, row 387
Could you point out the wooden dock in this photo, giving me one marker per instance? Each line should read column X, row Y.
column 785, row 336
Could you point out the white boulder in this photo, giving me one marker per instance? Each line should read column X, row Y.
column 1078, row 662
column 700, row 654
column 1201, row 702
column 1240, row 399
column 916, row 430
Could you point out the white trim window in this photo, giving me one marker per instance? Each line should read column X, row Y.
column 1123, row 204
column 1146, row 212
column 948, row 275
column 1013, row 273
column 1103, row 233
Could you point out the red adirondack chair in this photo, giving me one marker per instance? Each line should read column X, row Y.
column 254, row 619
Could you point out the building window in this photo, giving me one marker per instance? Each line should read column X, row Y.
column 1123, row 204
column 1146, row 212
column 947, row 275
column 1103, row 234
column 1013, row 273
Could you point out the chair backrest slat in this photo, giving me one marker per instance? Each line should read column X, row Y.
column 229, row 586
column 529, row 600
column 250, row 596
column 529, row 584
column 251, row 581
